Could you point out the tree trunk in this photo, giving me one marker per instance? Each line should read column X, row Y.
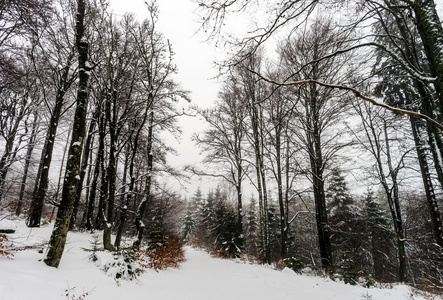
column 110, row 110
column 125, row 200
column 88, row 189
column 318, row 184
column 420, row 145
column 89, row 225
column 281, row 203
column 5, row 163
column 28, row 157
column 83, row 167
column 61, row 226
column 261, row 188
column 42, row 181
column 431, row 32
column 394, row 206
column 147, row 197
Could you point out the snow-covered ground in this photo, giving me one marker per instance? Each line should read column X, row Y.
column 201, row 277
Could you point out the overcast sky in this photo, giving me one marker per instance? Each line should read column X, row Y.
column 194, row 59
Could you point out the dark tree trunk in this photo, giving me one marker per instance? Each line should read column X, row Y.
column 111, row 116
column 431, row 32
column 124, row 200
column 83, row 167
column 417, row 125
column 28, row 157
column 100, row 163
column 318, row 184
column 147, row 197
column 261, row 187
column 5, row 163
column 61, row 226
column 88, row 191
column 281, row 203
column 239, row 197
column 395, row 208
column 420, row 145
column 89, row 225
column 42, row 181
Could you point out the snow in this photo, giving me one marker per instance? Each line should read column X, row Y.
column 25, row 277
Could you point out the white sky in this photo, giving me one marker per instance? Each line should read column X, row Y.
column 194, row 58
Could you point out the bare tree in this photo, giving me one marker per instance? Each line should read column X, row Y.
column 54, row 48
column 318, row 112
column 388, row 164
column 61, row 226
column 224, row 140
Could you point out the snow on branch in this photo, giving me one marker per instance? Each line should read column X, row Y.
column 357, row 94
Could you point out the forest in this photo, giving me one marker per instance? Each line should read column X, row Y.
column 324, row 144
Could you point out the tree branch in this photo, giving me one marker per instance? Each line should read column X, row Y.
column 357, row 94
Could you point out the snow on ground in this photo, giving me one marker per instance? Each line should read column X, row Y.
column 201, row 277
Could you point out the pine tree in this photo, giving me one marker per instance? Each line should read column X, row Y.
column 188, row 226
column 226, row 232
column 345, row 221
column 380, row 238
column 252, row 230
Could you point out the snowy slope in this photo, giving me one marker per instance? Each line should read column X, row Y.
column 201, row 277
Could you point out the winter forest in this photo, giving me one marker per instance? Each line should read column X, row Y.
column 324, row 145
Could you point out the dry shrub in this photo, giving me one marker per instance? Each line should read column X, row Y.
column 6, row 246
column 220, row 253
column 168, row 253
column 227, row 255
column 69, row 293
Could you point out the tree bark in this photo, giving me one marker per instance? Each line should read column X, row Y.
column 147, row 197
column 58, row 237
column 110, row 110
column 431, row 32
column 42, row 181
column 83, row 167
column 31, row 145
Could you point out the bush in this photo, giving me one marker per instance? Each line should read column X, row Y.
column 95, row 243
column 122, row 265
column 294, row 264
column 161, row 254
column 6, row 246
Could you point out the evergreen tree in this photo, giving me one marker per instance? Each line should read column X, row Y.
column 252, row 229
column 188, row 224
column 274, row 231
column 226, row 232
column 380, row 239
column 345, row 219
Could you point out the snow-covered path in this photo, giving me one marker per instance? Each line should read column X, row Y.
column 200, row 277
column 204, row 277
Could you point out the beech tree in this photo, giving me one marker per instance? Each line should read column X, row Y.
column 224, row 141
column 399, row 89
column 61, row 226
column 317, row 113
column 54, row 48
column 20, row 26
column 290, row 15
column 388, row 164
column 252, row 92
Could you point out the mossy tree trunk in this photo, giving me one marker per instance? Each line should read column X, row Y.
column 431, row 32
column 58, row 238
